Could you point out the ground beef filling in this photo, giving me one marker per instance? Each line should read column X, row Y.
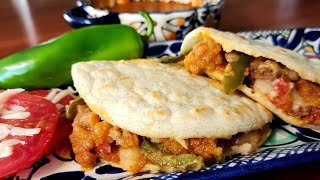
column 295, row 96
column 94, row 140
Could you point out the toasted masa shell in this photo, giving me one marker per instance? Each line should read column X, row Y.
column 159, row 100
column 308, row 69
column 259, row 96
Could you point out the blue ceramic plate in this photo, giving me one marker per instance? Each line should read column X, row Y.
column 288, row 145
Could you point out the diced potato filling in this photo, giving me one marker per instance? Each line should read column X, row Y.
column 206, row 55
column 94, row 140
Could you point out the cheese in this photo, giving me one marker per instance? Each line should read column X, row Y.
column 17, row 108
column 299, row 106
column 182, row 142
column 52, row 94
column 57, row 95
column 5, row 95
column 266, row 87
column 4, row 130
column 297, row 99
column 14, row 114
column 18, row 131
column 19, row 112
column 6, row 147
column 60, row 106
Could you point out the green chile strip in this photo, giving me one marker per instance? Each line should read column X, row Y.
column 49, row 65
column 172, row 59
column 71, row 111
column 182, row 162
column 235, row 70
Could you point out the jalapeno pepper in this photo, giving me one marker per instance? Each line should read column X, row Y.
column 48, row 65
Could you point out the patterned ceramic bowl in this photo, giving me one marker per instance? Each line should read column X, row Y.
column 169, row 24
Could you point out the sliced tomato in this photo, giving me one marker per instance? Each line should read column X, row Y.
column 61, row 136
column 283, row 99
column 43, row 93
column 281, row 86
column 44, row 115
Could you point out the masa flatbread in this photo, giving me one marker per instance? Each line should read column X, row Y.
column 258, row 96
column 159, row 100
column 308, row 69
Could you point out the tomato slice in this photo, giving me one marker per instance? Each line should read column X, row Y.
column 43, row 93
column 44, row 115
column 283, row 98
column 61, row 136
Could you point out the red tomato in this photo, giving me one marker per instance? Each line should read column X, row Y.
column 43, row 93
column 61, row 136
column 104, row 148
column 44, row 115
column 281, row 86
column 283, row 100
column 315, row 115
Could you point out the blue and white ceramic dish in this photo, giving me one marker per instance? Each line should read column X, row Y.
column 288, row 145
column 168, row 25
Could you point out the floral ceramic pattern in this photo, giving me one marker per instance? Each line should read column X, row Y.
column 168, row 26
column 286, row 145
column 174, row 25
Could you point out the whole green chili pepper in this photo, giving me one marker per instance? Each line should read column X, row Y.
column 48, row 65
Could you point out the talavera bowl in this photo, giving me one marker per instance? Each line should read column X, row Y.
column 169, row 25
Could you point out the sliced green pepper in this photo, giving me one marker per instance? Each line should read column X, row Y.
column 172, row 59
column 72, row 108
column 182, row 162
column 235, row 71
column 48, row 65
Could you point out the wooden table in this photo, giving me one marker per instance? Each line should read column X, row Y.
column 25, row 23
